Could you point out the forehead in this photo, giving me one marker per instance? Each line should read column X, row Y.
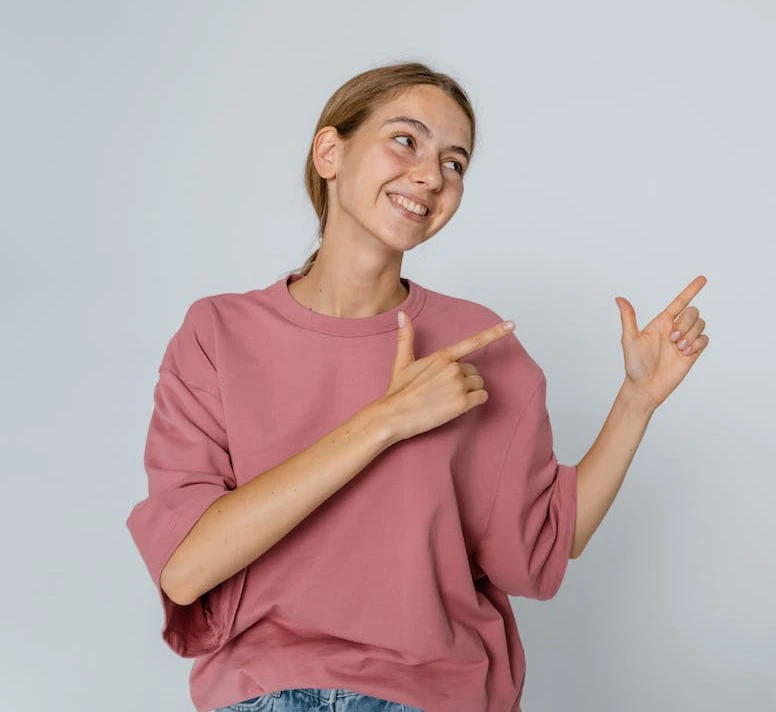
column 429, row 104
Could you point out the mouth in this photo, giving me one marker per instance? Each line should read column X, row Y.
column 408, row 208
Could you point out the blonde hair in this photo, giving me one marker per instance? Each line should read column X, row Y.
column 354, row 102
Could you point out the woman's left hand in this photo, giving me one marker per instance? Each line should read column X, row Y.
column 655, row 362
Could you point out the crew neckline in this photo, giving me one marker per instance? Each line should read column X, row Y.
column 358, row 326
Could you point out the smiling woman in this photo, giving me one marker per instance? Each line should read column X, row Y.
column 308, row 548
column 372, row 106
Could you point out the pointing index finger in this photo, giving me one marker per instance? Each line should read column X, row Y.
column 686, row 296
column 472, row 343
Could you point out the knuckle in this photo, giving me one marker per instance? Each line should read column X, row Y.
column 451, row 369
column 437, row 359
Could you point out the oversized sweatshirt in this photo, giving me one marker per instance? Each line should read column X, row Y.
column 397, row 585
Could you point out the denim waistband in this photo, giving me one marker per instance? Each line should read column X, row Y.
column 327, row 694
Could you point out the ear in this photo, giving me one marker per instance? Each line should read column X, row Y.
column 325, row 152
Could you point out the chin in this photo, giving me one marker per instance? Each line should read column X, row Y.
column 402, row 243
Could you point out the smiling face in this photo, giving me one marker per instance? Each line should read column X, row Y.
column 379, row 176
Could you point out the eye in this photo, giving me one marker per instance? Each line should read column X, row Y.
column 404, row 136
column 459, row 166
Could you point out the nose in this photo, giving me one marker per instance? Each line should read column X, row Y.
column 428, row 173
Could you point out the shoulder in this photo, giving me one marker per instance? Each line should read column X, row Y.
column 190, row 352
column 213, row 323
column 198, row 313
column 230, row 311
column 507, row 356
column 203, row 309
column 206, row 315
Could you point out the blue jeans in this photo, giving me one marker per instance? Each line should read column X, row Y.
column 316, row 699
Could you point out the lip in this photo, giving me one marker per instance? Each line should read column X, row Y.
column 408, row 214
column 414, row 198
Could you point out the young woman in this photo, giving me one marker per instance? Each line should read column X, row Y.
column 338, row 509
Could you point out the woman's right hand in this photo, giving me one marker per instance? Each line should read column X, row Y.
column 436, row 388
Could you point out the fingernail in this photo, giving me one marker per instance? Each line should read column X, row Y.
column 508, row 325
column 675, row 335
column 400, row 316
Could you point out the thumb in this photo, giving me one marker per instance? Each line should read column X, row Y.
column 627, row 317
column 404, row 339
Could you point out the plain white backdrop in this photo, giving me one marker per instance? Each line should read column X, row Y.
column 152, row 153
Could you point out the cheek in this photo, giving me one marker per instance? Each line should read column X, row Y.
column 388, row 164
column 374, row 170
column 453, row 198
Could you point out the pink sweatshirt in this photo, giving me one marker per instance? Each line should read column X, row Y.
column 396, row 586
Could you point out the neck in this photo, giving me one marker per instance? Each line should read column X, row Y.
column 348, row 293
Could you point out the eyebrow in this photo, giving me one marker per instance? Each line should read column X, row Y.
column 425, row 130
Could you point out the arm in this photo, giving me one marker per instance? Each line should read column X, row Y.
column 194, row 506
column 247, row 521
column 654, row 367
column 602, row 470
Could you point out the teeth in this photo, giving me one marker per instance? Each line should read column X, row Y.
column 408, row 204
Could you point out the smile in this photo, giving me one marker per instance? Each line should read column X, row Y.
column 408, row 208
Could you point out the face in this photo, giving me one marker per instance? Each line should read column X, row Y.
column 380, row 176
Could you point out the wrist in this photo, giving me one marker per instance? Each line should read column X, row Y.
column 380, row 419
column 635, row 399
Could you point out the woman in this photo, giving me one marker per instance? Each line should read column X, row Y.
column 338, row 510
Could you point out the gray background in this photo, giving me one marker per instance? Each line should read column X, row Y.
column 152, row 153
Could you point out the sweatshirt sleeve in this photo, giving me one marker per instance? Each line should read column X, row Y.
column 528, row 536
column 189, row 467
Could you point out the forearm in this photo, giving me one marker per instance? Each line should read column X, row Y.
column 601, row 471
column 247, row 521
